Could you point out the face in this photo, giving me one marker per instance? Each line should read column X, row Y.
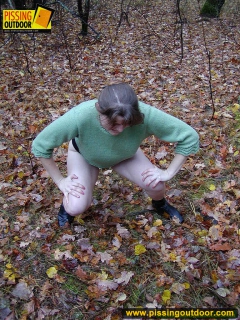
column 113, row 128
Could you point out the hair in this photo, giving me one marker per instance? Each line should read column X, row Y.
column 120, row 100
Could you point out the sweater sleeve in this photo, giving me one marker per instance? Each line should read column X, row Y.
column 55, row 134
column 170, row 129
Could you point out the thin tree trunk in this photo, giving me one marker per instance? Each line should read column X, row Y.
column 83, row 11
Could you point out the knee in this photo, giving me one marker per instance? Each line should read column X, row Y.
column 75, row 208
column 159, row 187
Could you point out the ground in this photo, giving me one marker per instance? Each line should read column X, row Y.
column 120, row 254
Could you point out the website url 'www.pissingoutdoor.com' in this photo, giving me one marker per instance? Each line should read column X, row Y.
column 138, row 313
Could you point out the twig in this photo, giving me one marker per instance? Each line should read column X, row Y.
column 209, row 67
column 29, row 157
column 25, row 53
column 66, row 45
column 181, row 30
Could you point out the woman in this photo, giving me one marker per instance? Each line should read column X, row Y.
column 107, row 133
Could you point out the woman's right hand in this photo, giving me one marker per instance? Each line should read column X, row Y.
column 69, row 185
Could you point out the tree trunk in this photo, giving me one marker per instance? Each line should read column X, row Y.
column 83, row 11
column 20, row 4
column 212, row 8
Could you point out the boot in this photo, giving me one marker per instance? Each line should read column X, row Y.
column 64, row 217
column 162, row 206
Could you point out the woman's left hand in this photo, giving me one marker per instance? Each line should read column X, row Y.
column 154, row 176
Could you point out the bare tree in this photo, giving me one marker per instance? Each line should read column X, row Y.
column 212, row 8
column 83, row 10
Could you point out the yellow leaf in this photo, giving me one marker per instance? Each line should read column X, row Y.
column 202, row 233
column 172, row 256
column 21, row 174
column 103, row 275
column 235, row 107
column 139, row 249
column 51, row 272
column 237, row 193
column 166, row 296
column 186, row 285
column 80, row 220
column 236, row 153
column 157, row 223
column 212, row 187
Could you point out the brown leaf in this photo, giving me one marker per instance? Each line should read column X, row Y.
column 220, row 247
column 81, row 274
column 22, row 291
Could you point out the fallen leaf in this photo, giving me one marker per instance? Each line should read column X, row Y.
column 125, row 277
column 223, row 292
column 166, row 296
column 51, row 272
column 220, row 247
column 121, row 297
column 22, row 291
column 107, row 284
column 123, row 232
column 139, row 249
column 105, row 257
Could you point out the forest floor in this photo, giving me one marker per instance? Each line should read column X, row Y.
column 120, row 254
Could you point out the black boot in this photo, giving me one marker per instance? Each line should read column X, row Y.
column 162, row 206
column 64, row 217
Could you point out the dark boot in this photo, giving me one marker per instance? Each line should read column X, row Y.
column 162, row 206
column 64, row 217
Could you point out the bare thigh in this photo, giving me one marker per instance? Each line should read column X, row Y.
column 132, row 169
column 87, row 176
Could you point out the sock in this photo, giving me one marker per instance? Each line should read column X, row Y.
column 160, row 203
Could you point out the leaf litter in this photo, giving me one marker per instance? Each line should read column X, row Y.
column 111, row 258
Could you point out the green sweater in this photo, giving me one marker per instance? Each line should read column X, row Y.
column 103, row 150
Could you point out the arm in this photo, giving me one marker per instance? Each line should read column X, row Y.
column 157, row 175
column 66, row 185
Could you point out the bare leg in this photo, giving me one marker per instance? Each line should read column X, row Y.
column 132, row 169
column 87, row 176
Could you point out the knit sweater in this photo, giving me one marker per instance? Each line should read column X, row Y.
column 103, row 150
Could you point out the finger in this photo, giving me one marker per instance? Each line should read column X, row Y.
column 150, row 174
column 66, row 196
column 76, row 190
column 77, row 186
column 150, row 181
column 75, row 194
column 146, row 171
column 73, row 176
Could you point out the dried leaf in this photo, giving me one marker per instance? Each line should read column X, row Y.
column 105, row 257
column 123, row 232
column 107, row 284
column 139, row 249
column 51, row 272
column 121, row 297
column 125, row 277
column 166, row 296
column 220, row 247
column 22, row 291
column 223, row 292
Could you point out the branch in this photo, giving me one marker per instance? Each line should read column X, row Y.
column 209, row 70
column 181, row 23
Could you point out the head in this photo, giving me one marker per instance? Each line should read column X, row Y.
column 118, row 104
